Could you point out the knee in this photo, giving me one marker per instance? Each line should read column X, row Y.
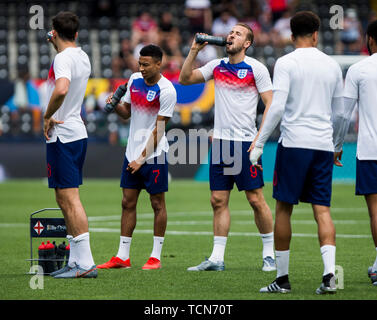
column 158, row 204
column 128, row 205
column 256, row 201
column 63, row 202
column 218, row 202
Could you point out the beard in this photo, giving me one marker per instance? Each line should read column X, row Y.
column 234, row 50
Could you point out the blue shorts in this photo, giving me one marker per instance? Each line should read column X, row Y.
column 65, row 162
column 303, row 175
column 366, row 177
column 151, row 176
column 230, row 163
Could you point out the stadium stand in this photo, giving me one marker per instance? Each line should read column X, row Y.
column 107, row 30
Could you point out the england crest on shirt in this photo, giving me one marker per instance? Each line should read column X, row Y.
column 151, row 95
column 242, row 73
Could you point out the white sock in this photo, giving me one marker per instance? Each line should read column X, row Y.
column 328, row 257
column 124, row 248
column 268, row 245
column 282, row 263
column 375, row 263
column 157, row 247
column 82, row 251
column 72, row 257
column 218, row 251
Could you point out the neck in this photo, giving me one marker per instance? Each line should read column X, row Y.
column 62, row 45
column 304, row 43
column 152, row 81
column 237, row 57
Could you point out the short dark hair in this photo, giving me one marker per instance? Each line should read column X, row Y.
column 153, row 51
column 250, row 33
column 66, row 24
column 372, row 30
column 304, row 23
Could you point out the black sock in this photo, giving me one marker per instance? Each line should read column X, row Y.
column 282, row 280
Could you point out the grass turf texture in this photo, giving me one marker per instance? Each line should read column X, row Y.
column 187, row 242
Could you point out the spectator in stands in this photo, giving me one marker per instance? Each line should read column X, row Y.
column 144, row 27
column 90, row 102
column 261, row 38
column 124, row 61
column 278, row 8
column 266, row 26
column 223, row 24
column 104, row 8
column 199, row 14
column 351, row 35
column 167, row 30
column 26, row 100
column 144, row 40
column 227, row 5
column 281, row 34
column 171, row 69
column 207, row 54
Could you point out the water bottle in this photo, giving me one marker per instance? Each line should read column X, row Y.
column 50, row 256
column 60, row 254
column 42, row 256
column 118, row 94
column 218, row 41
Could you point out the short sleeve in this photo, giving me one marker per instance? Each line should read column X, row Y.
column 207, row 69
column 262, row 79
column 168, row 100
column 281, row 79
column 62, row 67
column 351, row 85
column 127, row 97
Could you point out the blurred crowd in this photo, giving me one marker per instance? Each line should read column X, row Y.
column 269, row 19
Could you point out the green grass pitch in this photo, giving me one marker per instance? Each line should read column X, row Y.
column 188, row 240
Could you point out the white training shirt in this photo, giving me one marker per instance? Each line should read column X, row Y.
column 237, row 88
column 312, row 80
column 146, row 103
column 361, row 84
column 73, row 64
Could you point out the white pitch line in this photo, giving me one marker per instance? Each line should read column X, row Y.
column 205, row 233
column 232, row 212
column 210, row 222
column 210, row 233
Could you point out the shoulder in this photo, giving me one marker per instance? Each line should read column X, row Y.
column 215, row 62
column 135, row 76
column 255, row 64
column 166, row 86
column 360, row 66
column 286, row 61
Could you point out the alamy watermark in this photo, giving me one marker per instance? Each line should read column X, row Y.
column 193, row 147
column 37, row 280
column 36, row 21
column 339, row 275
column 337, row 19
